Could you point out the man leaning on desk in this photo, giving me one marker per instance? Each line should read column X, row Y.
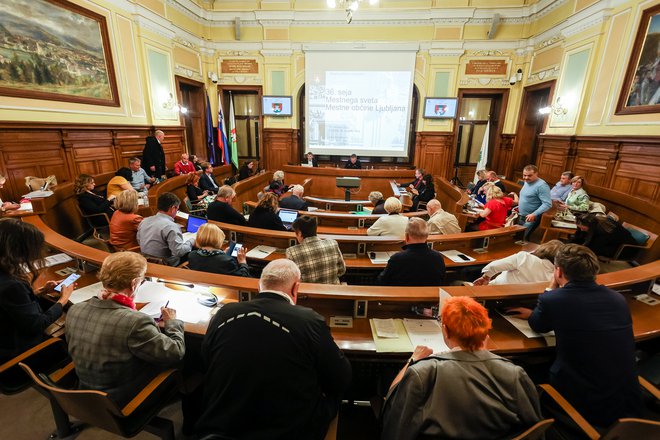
column 273, row 369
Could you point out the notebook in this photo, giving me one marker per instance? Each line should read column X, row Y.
column 194, row 223
column 288, row 217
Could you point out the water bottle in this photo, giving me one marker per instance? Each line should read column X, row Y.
column 145, row 197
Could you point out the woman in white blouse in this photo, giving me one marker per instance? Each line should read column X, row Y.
column 391, row 224
column 523, row 267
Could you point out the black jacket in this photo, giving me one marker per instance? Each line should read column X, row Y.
column 425, row 195
column 353, row 166
column 225, row 213
column 206, row 182
column 273, row 372
column 23, row 317
column 379, row 208
column 95, row 204
column 193, row 193
column 216, row 261
column 416, row 265
column 293, row 202
column 244, row 173
column 265, row 219
column 153, row 155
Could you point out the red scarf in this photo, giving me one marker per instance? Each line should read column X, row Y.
column 124, row 300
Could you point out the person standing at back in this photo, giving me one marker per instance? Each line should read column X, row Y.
column 273, row 369
column 595, row 367
column 534, row 200
column 153, row 155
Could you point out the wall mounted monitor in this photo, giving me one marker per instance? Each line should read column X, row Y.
column 440, row 108
column 276, row 105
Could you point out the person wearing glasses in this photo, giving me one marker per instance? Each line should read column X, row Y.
column 159, row 236
column 115, row 348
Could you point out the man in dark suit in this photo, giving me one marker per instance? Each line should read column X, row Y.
column 311, row 160
column 273, row 369
column 595, row 365
column 353, row 163
column 206, row 180
column 221, row 210
column 417, row 183
column 417, row 264
column 295, row 201
column 153, row 156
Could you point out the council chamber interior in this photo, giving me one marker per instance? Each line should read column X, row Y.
column 445, row 87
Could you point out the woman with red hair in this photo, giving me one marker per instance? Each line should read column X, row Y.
column 467, row 392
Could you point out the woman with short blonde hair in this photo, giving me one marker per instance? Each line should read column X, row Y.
column 496, row 209
column 125, row 221
column 117, row 349
column 391, row 224
column 209, row 256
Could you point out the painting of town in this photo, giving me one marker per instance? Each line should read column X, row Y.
column 56, row 50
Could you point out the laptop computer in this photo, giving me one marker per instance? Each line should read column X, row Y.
column 194, row 223
column 288, row 217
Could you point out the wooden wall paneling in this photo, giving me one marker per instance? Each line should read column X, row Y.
column 501, row 162
column 92, row 150
column 555, row 157
column 130, row 142
column 432, row 153
column 595, row 160
column 31, row 153
column 638, row 171
column 278, row 148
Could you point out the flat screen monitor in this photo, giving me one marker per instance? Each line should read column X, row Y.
column 440, row 108
column 194, row 223
column 276, row 105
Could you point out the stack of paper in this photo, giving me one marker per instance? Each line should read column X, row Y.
column 426, row 332
column 523, row 326
column 397, row 344
column 457, row 257
column 53, row 260
column 37, row 194
column 561, row 224
column 181, row 214
column 261, row 251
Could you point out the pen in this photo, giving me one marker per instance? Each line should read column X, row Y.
column 161, row 314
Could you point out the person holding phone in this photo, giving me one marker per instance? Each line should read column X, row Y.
column 209, row 257
column 21, row 246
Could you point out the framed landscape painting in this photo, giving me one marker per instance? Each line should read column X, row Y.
column 641, row 85
column 55, row 50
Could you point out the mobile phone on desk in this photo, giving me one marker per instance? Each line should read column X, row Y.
column 234, row 248
column 67, row 281
column 463, row 257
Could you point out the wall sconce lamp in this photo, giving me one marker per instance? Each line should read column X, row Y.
column 556, row 109
column 170, row 104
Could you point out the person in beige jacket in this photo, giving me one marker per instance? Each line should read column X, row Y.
column 391, row 224
column 440, row 221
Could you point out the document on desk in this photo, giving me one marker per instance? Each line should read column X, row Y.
column 53, row 260
column 523, row 326
column 457, row 257
column 426, row 332
column 85, row 293
column 397, row 344
column 156, row 295
column 261, row 251
column 26, row 206
column 181, row 214
column 561, row 224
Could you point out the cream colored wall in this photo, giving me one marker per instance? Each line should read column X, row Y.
column 194, row 41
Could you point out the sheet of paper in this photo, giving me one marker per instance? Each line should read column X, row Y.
column 37, row 194
column 385, row 328
column 189, row 236
column 153, row 308
column 187, row 308
column 401, row 344
column 85, row 293
column 53, row 260
column 26, row 206
column 561, row 224
column 183, row 215
column 260, row 251
column 380, row 257
column 453, row 255
column 151, row 291
column 426, row 332
column 523, row 326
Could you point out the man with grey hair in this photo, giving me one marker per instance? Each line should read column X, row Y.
column 273, row 369
column 140, row 180
column 153, row 155
column 440, row 221
column 563, row 187
column 295, row 200
column 221, row 210
column 417, row 264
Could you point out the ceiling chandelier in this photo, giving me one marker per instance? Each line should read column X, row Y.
column 349, row 5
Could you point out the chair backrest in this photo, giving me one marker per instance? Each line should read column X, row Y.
column 652, row 236
column 188, row 203
column 45, row 357
column 633, row 429
column 535, row 432
column 88, row 406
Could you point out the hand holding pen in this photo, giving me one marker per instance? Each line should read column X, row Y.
column 166, row 313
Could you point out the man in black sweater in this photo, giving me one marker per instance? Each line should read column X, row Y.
column 221, row 210
column 417, row 264
column 295, row 200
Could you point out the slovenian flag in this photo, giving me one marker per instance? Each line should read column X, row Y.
column 222, row 134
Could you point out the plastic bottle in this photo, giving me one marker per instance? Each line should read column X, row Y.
column 145, row 197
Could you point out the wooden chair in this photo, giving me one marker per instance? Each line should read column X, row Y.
column 535, row 432
column 197, row 210
column 633, row 255
column 101, row 233
column 50, row 357
column 627, row 428
column 97, row 409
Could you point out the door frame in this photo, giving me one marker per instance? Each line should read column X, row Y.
column 223, row 91
column 200, row 86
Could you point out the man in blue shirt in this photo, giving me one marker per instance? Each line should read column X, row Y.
column 141, row 180
column 534, row 200
column 563, row 187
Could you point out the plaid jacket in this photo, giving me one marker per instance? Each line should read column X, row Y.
column 119, row 350
column 320, row 261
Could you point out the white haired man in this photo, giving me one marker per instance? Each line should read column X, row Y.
column 440, row 221
column 295, row 200
column 274, row 370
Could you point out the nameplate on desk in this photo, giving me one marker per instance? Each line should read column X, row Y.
column 341, row 321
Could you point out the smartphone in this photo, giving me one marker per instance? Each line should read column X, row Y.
column 463, row 257
column 67, row 281
column 234, row 248
column 486, row 242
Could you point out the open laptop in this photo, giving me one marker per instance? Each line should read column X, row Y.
column 193, row 225
column 288, row 217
